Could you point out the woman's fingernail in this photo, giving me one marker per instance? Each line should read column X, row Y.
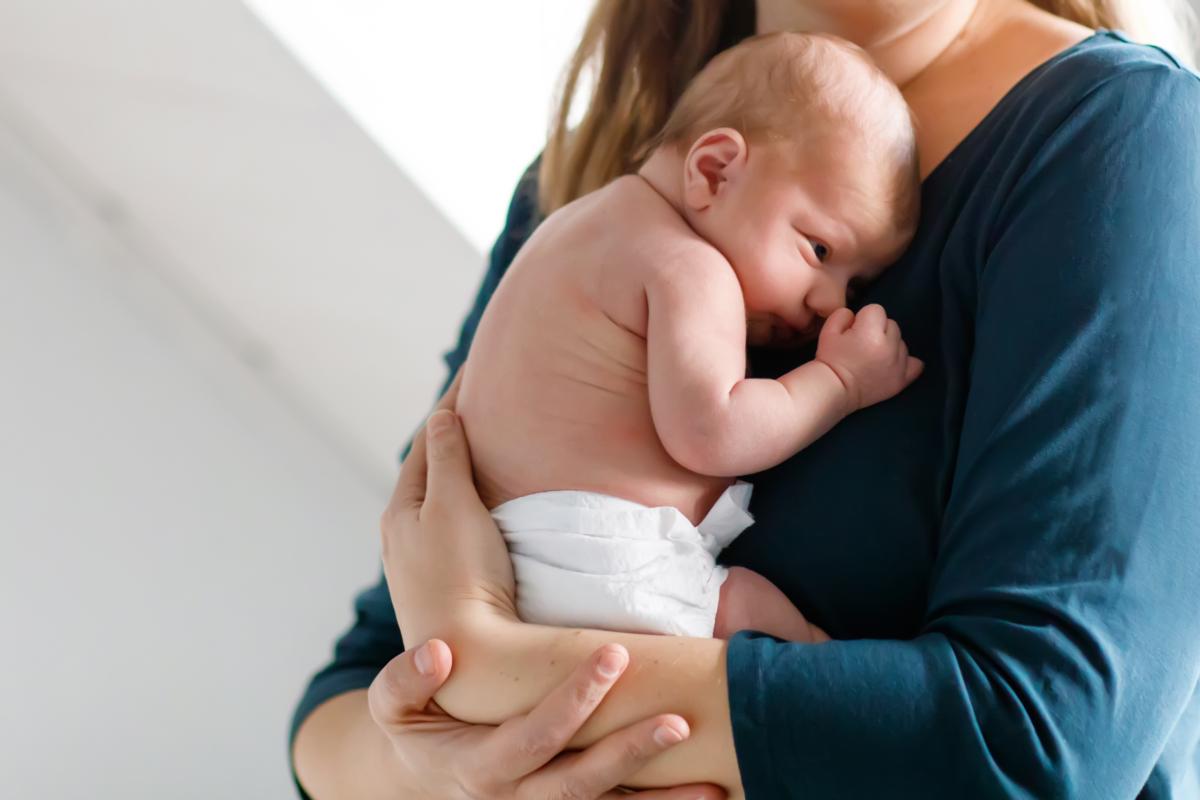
column 666, row 736
column 424, row 660
column 611, row 664
column 440, row 421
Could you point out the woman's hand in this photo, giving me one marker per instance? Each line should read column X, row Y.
column 451, row 760
column 448, row 569
column 444, row 558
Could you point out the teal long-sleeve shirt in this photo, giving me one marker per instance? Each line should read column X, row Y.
column 1007, row 553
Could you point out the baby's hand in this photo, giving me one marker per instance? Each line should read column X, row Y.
column 867, row 353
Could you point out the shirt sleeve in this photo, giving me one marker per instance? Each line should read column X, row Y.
column 1062, row 631
column 374, row 638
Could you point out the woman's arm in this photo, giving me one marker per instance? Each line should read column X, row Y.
column 503, row 666
column 374, row 639
column 506, row 665
column 1063, row 625
column 393, row 741
column 340, row 752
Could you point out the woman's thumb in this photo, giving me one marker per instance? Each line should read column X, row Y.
column 449, row 460
column 408, row 683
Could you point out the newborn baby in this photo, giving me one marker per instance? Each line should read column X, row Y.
column 605, row 395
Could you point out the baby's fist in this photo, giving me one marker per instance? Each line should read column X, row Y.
column 866, row 352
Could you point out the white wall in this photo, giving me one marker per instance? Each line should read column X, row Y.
column 222, row 307
column 455, row 92
column 176, row 544
column 194, row 132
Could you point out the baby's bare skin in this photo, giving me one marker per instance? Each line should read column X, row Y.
column 611, row 358
column 554, row 394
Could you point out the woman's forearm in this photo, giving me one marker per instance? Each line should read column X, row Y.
column 503, row 668
column 341, row 753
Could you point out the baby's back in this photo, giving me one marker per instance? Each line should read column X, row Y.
column 554, row 391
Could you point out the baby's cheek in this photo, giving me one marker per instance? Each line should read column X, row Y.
column 761, row 288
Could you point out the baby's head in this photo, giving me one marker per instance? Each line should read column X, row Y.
column 798, row 162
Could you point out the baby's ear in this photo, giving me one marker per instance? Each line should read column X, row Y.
column 715, row 158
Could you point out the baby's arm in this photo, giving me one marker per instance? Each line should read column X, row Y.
column 715, row 421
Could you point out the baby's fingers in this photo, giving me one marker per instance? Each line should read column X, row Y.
column 892, row 331
column 694, row 792
column 839, row 321
column 871, row 318
column 913, row 369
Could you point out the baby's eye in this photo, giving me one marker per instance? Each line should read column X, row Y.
column 819, row 250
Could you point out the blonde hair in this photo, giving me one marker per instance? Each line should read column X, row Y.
column 1170, row 24
column 641, row 55
column 796, row 88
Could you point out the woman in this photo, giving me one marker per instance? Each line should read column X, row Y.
column 1005, row 554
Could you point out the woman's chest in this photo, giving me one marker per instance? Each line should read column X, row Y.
column 849, row 527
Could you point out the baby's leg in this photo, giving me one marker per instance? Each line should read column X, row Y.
column 751, row 602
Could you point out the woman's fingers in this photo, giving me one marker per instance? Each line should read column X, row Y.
column 407, row 684
column 525, row 744
column 450, row 399
column 449, row 483
column 613, row 760
column 599, row 770
column 409, row 492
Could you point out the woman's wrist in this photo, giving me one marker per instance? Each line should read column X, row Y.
column 468, row 619
column 504, row 667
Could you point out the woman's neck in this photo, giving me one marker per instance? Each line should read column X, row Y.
column 904, row 38
column 953, row 59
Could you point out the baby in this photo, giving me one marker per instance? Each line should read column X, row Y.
column 605, row 395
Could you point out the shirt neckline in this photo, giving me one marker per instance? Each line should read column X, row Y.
column 1016, row 89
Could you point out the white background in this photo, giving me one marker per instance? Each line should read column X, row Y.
column 457, row 93
column 222, row 310
column 227, row 271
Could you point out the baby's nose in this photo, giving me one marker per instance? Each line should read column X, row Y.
column 826, row 298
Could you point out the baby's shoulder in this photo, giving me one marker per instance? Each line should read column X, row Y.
column 680, row 256
column 642, row 234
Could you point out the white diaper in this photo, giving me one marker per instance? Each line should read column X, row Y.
column 589, row 560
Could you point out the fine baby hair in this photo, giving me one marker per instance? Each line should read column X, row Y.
column 799, row 87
